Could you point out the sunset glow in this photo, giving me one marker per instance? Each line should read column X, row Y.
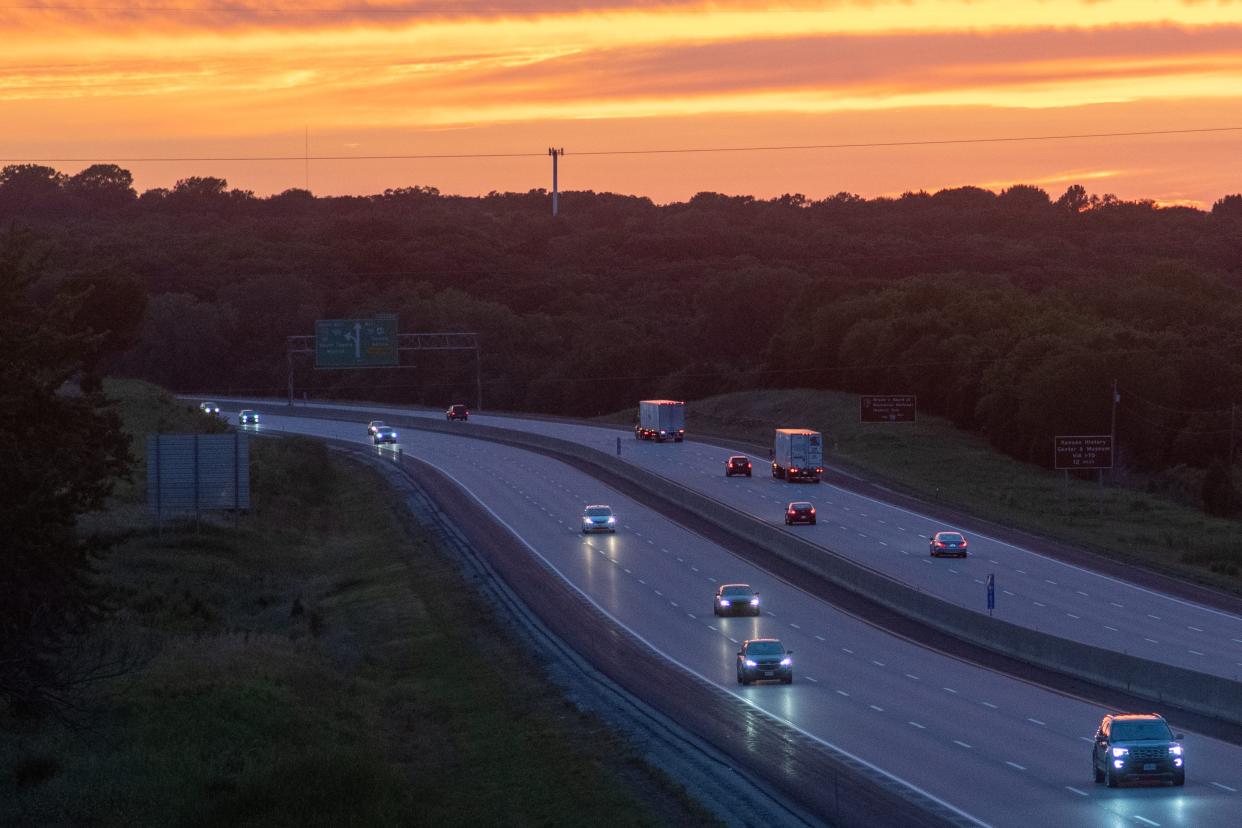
column 198, row 80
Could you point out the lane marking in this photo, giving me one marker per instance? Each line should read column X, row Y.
column 876, row 708
column 1195, row 652
column 1037, row 721
column 1157, row 617
column 1146, row 820
column 1196, row 629
column 1114, row 629
column 1225, row 787
column 963, row 744
column 821, row 638
column 919, row 726
column 912, row 676
column 1075, row 790
column 989, row 704
column 949, row 690
column 843, row 693
column 1075, row 617
column 1115, row 604
column 1014, row 765
column 847, row 650
column 812, row 680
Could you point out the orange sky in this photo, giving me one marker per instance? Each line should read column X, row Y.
column 108, row 80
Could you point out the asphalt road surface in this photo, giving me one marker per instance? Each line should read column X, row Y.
column 998, row 750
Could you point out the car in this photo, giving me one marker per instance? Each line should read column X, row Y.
column 209, row 408
column 248, row 416
column 737, row 464
column 764, row 659
column 1137, row 746
column 457, row 412
column 735, row 599
column 384, row 434
column 598, row 518
column 947, row 543
column 800, row 511
column 374, row 426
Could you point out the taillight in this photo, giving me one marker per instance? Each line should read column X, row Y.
column 792, row 513
column 812, row 511
column 963, row 543
column 793, row 471
column 748, row 465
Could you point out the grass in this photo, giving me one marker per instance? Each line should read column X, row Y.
column 278, row 675
column 937, row 462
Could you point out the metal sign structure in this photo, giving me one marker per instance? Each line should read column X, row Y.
column 356, row 343
column 1084, row 451
column 196, row 473
column 888, row 408
column 991, row 593
column 302, row 345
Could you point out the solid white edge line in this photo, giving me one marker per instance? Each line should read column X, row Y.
column 695, row 673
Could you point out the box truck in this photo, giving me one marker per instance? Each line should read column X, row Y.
column 797, row 454
column 661, row 420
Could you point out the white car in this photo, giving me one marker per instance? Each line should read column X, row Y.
column 598, row 518
column 209, row 408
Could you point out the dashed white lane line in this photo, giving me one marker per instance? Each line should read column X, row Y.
column 1152, row 640
column 1236, row 640
column 1075, row 790
column 692, row 615
column 1115, row 604
column 734, row 640
column 1196, row 629
column 1114, row 629
column 1015, row 765
column 963, row 744
column 912, row 676
column 919, row 726
column 876, row 708
column 1036, row 721
column 1075, row 617
column 1046, row 581
column 1020, row 571
column 877, row 663
column 1225, row 787
column 627, row 572
column 1145, row 820
column 1194, row 652
column 795, row 626
column 847, row 650
column 674, row 603
column 1041, row 604
column 713, row 580
column 882, row 543
column 820, row 638
column 989, row 704
column 710, row 627
column 641, row 581
column 1083, row 594
column 812, row 680
column 1157, row 617
column 657, row 592
column 949, row 690
column 843, row 693
column 1007, row 592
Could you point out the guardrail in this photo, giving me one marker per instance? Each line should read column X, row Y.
column 1202, row 693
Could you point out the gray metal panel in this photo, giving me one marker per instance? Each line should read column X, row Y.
column 188, row 472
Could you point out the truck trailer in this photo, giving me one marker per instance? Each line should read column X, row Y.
column 797, row 454
column 661, row 420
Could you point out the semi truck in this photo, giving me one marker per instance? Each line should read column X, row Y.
column 661, row 420
column 797, row 454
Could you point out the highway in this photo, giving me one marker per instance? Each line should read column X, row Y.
column 1032, row 589
column 1000, row 751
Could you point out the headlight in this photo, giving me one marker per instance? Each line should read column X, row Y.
column 1176, row 750
column 786, row 661
column 612, row 520
column 754, row 600
column 750, row 663
column 1119, row 752
column 725, row 602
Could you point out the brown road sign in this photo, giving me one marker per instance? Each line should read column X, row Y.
column 1089, row 451
column 888, row 408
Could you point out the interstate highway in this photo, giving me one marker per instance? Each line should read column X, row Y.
column 1032, row 589
column 999, row 750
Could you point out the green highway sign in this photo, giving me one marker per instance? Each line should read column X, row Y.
column 356, row 343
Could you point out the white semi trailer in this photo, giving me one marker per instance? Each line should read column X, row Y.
column 661, row 420
column 798, row 454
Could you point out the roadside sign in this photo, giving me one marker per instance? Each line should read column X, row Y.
column 991, row 593
column 356, row 343
column 888, row 408
column 1090, row 451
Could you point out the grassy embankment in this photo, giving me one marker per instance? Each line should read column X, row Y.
column 282, row 677
column 939, row 463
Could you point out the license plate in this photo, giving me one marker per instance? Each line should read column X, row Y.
column 768, row 672
column 1150, row 766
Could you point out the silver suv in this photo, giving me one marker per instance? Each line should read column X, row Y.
column 1137, row 746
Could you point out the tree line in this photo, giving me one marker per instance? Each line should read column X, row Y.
column 1010, row 313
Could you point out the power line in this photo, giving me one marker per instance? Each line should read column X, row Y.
column 932, row 142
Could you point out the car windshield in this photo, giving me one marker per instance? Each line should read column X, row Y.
column 951, row 537
column 766, row 648
column 737, row 460
column 598, row 511
column 246, row 412
column 1140, row 729
column 738, row 591
column 801, row 507
column 377, row 423
column 458, row 409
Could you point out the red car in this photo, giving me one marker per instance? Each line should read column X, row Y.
column 799, row 512
column 457, row 412
column 737, row 464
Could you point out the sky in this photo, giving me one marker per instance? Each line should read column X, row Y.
column 323, row 94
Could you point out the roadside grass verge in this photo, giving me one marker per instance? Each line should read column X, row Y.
column 935, row 461
column 323, row 664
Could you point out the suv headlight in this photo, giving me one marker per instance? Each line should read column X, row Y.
column 612, row 520
column 725, row 602
column 754, row 601
column 1119, row 752
column 786, row 661
column 1176, row 750
column 750, row 663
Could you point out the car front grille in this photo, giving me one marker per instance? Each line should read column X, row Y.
column 1149, row 753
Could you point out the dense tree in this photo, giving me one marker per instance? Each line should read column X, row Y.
column 47, row 482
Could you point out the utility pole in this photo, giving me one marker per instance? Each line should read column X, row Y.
column 556, row 154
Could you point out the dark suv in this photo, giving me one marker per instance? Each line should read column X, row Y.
column 735, row 599
column 457, row 412
column 737, row 464
column 764, row 659
column 1135, row 746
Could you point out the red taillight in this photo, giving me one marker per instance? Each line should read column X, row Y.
column 812, row 511
column 748, row 465
column 939, row 543
column 963, row 543
column 793, row 471
column 792, row 513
